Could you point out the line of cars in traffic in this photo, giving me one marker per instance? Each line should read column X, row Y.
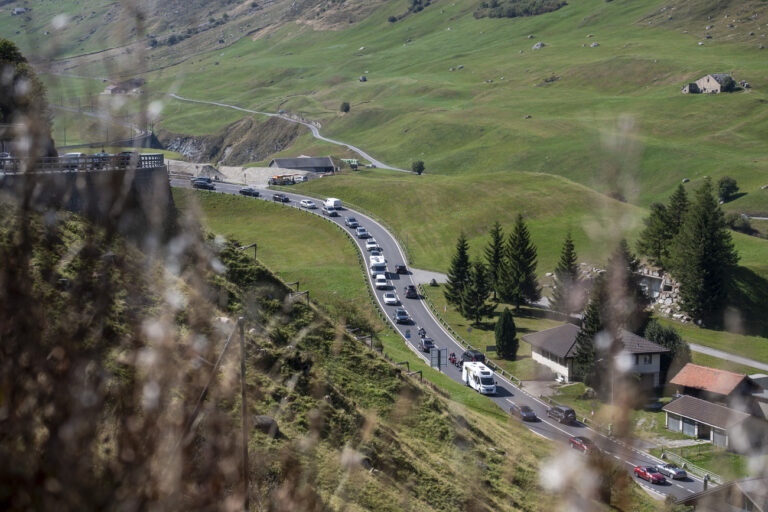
column 82, row 161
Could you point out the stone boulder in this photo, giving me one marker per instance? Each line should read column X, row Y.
column 267, row 425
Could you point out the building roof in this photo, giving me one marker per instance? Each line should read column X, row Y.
column 754, row 488
column 706, row 412
column 302, row 162
column 720, row 77
column 635, row 344
column 561, row 341
column 708, row 379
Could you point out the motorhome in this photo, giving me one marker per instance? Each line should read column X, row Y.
column 479, row 377
column 378, row 265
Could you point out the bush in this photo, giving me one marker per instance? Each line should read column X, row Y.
column 344, row 107
column 391, row 19
column 417, row 167
column 726, row 188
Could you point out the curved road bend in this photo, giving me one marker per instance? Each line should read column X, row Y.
column 506, row 391
column 313, row 129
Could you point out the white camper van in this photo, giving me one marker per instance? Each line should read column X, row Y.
column 332, row 202
column 378, row 266
column 479, row 377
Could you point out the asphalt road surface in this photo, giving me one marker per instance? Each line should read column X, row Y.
column 621, row 450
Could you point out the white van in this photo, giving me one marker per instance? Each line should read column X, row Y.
column 479, row 377
column 378, row 266
column 333, row 202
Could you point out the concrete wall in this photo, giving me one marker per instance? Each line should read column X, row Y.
column 557, row 368
column 136, row 203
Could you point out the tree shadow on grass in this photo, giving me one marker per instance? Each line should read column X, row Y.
column 748, row 298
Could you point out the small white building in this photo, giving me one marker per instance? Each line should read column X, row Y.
column 555, row 348
column 19, row 10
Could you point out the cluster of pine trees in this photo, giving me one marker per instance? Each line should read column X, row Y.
column 691, row 240
column 509, row 273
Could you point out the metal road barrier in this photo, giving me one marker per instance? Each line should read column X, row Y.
column 81, row 164
column 688, row 466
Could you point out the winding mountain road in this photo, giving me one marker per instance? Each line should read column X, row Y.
column 312, row 128
column 625, row 451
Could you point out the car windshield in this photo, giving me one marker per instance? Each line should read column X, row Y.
column 653, row 470
column 487, row 381
column 352, row 219
column 525, row 408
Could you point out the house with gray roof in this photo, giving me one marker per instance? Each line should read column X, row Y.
column 747, row 494
column 555, row 349
column 712, row 83
column 305, row 163
column 721, row 425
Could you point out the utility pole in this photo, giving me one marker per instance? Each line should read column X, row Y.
column 244, row 409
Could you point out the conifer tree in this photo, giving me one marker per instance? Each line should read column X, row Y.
column 626, row 302
column 475, row 294
column 678, row 205
column 507, row 343
column 655, row 238
column 585, row 366
column 458, row 274
column 704, row 257
column 566, row 295
column 494, row 255
column 518, row 277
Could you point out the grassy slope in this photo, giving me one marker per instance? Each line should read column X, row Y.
column 614, row 120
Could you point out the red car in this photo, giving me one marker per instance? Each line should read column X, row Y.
column 582, row 443
column 650, row 473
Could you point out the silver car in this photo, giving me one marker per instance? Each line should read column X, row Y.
column 673, row 472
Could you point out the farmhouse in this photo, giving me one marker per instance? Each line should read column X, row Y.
column 555, row 348
column 305, row 163
column 713, row 83
column 18, row 10
column 721, row 425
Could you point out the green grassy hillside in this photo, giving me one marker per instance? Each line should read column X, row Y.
column 613, row 119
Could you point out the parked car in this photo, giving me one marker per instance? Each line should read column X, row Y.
column 411, row 292
column 361, row 232
column 650, row 473
column 582, row 443
column 390, row 299
column 523, row 412
column 351, row 222
column 281, row 198
column 101, row 159
column 426, row 344
column 673, row 471
column 562, row 414
column 401, row 316
column 381, row 282
column 74, row 161
column 307, row 203
column 248, row 191
column 371, row 244
column 330, row 211
column 400, row 269
column 473, row 355
column 204, row 185
column 201, row 178
column 128, row 159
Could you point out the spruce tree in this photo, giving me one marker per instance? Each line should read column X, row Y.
column 494, row 255
column 566, row 293
column 475, row 294
column 626, row 302
column 507, row 343
column 518, row 277
column 585, row 366
column 678, row 205
column 704, row 257
column 458, row 274
column 655, row 238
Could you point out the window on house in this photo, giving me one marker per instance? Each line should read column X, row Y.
column 647, row 358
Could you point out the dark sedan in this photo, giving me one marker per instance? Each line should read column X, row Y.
column 281, row 198
column 248, row 191
column 523, row 412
